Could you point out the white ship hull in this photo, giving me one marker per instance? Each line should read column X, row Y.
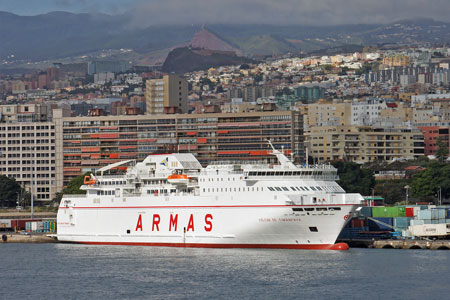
column 174, row 223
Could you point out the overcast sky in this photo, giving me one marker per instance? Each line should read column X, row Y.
column 147, row 12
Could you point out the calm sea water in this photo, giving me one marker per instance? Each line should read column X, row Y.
column 69, row 271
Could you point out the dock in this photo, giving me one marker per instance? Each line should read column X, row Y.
column 27, row 238
column 412, row 244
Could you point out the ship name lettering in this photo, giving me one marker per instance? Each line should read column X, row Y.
column 139, row 223
column 208, row 219
column 173, row 222
column 156, row 220
column 191, row 223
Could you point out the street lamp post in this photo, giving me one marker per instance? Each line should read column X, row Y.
column 440, row 195
column 407, row 189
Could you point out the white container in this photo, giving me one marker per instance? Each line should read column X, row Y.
column 33, row 226
column 429, row 230
column 5, row 223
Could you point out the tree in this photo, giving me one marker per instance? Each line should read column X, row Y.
column 354, row 179
column 73, row 187
column 9, row 189
column 442, row 152
column 425, row 184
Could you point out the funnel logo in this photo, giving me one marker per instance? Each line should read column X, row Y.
column 165, row 162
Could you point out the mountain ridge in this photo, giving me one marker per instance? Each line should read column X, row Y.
column 58, row 35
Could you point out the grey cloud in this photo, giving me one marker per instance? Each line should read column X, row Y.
column 314, row 12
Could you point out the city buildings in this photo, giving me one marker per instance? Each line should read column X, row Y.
column 170, row 92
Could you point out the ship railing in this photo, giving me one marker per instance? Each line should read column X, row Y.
column 111, row 177
column 296, row 177
column 65, row 196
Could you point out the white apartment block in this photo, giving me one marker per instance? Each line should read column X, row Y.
column 367, row 112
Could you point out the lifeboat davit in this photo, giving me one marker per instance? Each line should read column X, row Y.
column 178, row 179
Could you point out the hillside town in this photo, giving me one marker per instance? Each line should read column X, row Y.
column 377, row 105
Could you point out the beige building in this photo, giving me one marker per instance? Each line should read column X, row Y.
column 328, row 114
column 169, row 91
column 363, row 144
column 23, row 113
column 32, row 151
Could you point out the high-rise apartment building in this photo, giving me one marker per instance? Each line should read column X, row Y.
column 167, row 92
column 31, row 152
column 93, row 142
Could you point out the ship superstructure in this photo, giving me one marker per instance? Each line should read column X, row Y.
column 171, row 200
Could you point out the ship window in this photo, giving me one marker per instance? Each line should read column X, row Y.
column 173, row 191
column 285, row 188
column 278, row 189
column 309, row 209
column 271, row 188
column 98, row 192
column 321, row 209
column 297, row 209
column 288, row 173
column 253, row 189
column 306, row 188
column 335, row 208
column 312, row 188
column 203, row 190
column 313, row 229
column 314, row 200
column 293, row 188
column 318, row 188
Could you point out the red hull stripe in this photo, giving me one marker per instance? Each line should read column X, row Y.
column 206, row 206
column 339, row 246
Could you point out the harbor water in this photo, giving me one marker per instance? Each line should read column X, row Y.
column 69, row 271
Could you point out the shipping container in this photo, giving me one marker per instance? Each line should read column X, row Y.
column 447, row 213
column 424, row 214
column 416, row 222
column 409, row 211
column 434, row 221
column 5, row 223
column 402, row 222
column 429, row 230
column 437, row 213
column 388, row 212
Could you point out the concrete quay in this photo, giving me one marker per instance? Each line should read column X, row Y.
column 27, row 238
column 412, row 244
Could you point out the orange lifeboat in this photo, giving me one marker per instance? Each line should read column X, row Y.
column 178, row 179
column 88, row 180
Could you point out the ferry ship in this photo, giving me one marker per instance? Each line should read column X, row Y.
column 171, row 200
